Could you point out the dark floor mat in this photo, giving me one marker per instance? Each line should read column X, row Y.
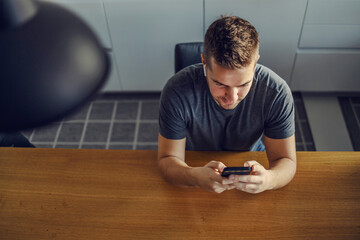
column 350, row 107
column 303, row 134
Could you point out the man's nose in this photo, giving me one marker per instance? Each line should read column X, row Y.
column 232, row 94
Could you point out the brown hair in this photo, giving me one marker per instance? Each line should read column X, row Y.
column 232, row 41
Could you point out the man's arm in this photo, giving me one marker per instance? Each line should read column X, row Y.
column 281, row 154
column 171, row 161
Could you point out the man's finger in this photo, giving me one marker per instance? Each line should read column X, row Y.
column 255, row 166
column 247, row 179
column 219, row 188
column 257, row 169
column 250, row 163
column 216, row 165
column 217, row 178
column 227, row 181
column 246, row 187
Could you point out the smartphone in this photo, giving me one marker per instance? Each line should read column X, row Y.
column 236, row 170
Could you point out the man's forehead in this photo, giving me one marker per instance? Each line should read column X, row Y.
column 213, row 62
column 231, row 77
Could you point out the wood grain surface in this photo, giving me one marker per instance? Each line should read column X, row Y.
column 120, row 194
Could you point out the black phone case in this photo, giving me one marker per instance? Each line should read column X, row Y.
column 236, row 171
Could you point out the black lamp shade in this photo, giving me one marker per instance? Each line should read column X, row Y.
column 49, row 65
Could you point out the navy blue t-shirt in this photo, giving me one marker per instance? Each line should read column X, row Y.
column 187, row 109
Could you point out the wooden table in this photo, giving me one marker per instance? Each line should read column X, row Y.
column 119, row 194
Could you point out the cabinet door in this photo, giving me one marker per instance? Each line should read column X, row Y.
column 331, row 24
column 278, row 23
column 144, row 34
column 327, row 70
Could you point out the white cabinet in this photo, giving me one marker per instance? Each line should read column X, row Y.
column 328, row 58
column 278, row 23
column 144, row 34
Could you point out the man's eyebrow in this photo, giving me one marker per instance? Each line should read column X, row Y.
column 246, row 83
column 228, row 86
column 218, row 82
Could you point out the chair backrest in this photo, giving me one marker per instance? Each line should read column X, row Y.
column 187, row 54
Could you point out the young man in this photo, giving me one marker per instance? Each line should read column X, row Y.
column 227, row 103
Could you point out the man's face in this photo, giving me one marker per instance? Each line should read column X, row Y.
column 229, row 86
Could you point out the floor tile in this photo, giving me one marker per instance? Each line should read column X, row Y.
column 146, row 147
column 127, row 110
column 148, row 132
column 68, row 146
column 150, row 110
column 326, row 122
column 123, row 132
column 46, row 134
column 71, row 132
column 79, row 114
column 93, row 146
column 102, row 111
column 97, row 132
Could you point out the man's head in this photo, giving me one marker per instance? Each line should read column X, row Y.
column 231, row 51
column 232, row 41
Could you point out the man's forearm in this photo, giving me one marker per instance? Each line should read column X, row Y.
column 282, row 172
column 176, row 172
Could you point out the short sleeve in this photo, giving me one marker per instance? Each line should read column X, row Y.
column 172, row 124
column 280, row 122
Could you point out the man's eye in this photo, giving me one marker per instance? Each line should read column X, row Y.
column 218, row 84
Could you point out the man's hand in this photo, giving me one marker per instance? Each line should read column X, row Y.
column 209, row 177
column 259, row 180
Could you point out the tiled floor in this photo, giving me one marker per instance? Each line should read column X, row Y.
column 113, row 121
column 128, row 121
column 350, row 107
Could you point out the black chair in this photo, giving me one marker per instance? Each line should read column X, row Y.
column 187, row 54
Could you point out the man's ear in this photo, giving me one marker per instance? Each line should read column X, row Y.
column 204, row 64
column 257, row 54
column 203, row 59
